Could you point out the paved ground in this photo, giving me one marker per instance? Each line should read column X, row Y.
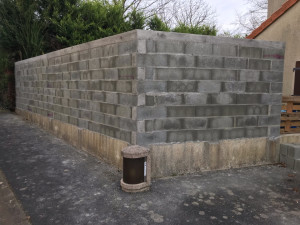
column 11, row 212
column 58, row 184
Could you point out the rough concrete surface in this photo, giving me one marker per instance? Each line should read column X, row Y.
column 58, row 184
column 11, row 212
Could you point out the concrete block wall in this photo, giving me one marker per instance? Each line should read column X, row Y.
column 203, row 88
column 92, row 86
column 219, row 98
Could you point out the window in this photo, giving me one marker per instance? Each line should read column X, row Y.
column 297, row 79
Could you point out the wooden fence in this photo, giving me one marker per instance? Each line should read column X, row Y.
column 290, row 115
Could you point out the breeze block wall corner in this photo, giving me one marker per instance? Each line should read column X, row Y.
column 198, row 102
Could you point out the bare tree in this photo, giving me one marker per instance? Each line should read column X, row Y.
column 257, row 13
column 193, row 12
column 173, row 12
column 149, row 7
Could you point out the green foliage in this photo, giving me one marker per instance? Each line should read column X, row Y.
column 21, row 33
column 136, row 20
column 155, row 23
column 7, row 100
column 92, row 20
column 203, row 29
column 229, row 34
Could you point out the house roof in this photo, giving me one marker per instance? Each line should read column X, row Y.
column 285, row 7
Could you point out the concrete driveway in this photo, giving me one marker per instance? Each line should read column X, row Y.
column 59, row 184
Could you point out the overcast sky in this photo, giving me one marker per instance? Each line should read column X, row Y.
column 227, row 11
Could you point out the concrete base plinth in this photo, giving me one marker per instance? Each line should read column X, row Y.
column 135, row 187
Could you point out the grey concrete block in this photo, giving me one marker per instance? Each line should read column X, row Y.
column 66, row 76
column 273, row 53
column 181, row 61
column 276, row 87
column 85, row 114
column 250, row 52
column 97, row 74
column 181, row 86
column 73, row 84
column 124, row 86
column 127, row 47
column 94, row 64
column 283, row 149
column 166, row 124
column 123, row 61
column 108, row 108
column 150, row 100
column 275, row 109
column 98, row 117
column 85, row 54
column 257, row 110
column 196, row 74
column 283, row 159
column 128, row 124
column 145, row 139
column 258, row 87
column 235, row 63
column 181, row 136
column 148, row 112
column 209, row 62
column 127, row 99
column 151, row 86
column 109, row 85
column 97, row 52
column 246, row 121
column 277, row 65
column 225, row 50
column 110, row 50
column 233, row 86
column 170, row 47
column 73, row 121
column 127, row 73
column 232, row 133
column 168, row 99
column 94, row 85
column 74, row 113
column 209, row 135
column 269, row 120
column 73, row 103
column 274, row 131
column 111, row 120
column 141, row 46
column 297, row 165
column 169, row 73
column 223, row 98
column 196, row 99
column 123, row 111
column 272, row 76
column 290, row 162
column 181, row 111
column 194, row 123
column 221, row 122
column 293, row 151
column 75, row 94
column 98, row 96
column 224, row 75
column 196, row 48
column 209, row 86
column 271, row 99
column 259, row 64
column 158, row 60
column 83, row 85
column 253, row 132
column 249, row 99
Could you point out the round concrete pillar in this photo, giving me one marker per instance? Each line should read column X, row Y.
column 136, row 169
